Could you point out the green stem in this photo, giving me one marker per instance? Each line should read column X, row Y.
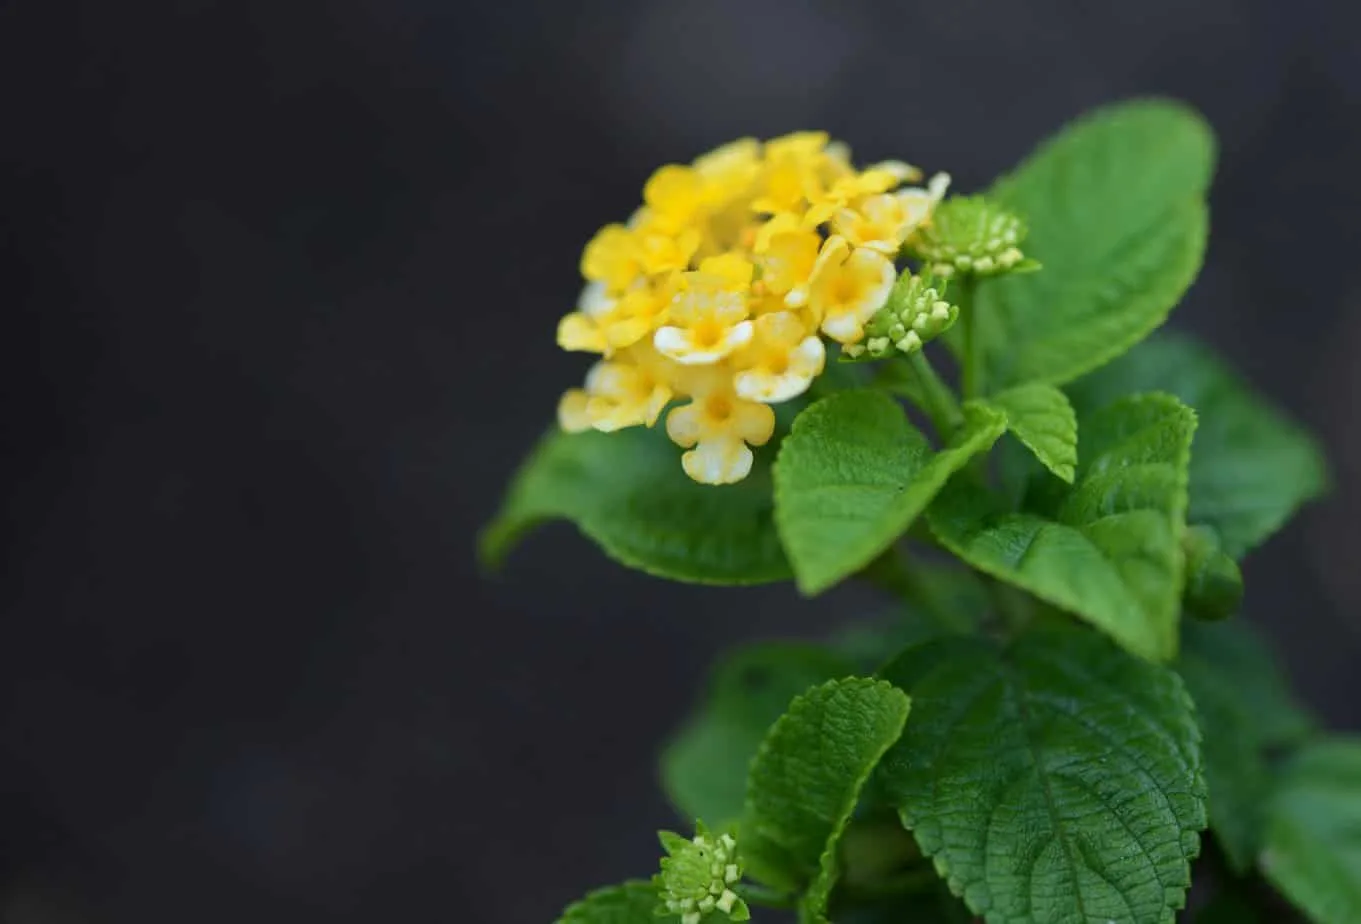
column 892, row 573
column 941, row 404
column 972, row 374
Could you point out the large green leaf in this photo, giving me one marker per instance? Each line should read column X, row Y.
column 1251, row 466
column 1108, row 548
column 704, row 768
column 1313, row 835
column 1115, row 204
column 852, row 476
column 806, row 779
column 1056, row 780
column 1041, row 418
column 626, row 491
column 1244, row 708
column 632, row 902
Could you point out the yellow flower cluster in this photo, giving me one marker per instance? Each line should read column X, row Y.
column 719, row 287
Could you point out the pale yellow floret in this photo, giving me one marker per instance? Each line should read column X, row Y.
column 851, row 189
column 846, row 293
column 661, row 251
column 781, row 361
column 581, row 329
column 719, row 426
column 728, row 172
column 792, row 174
column 675, row 197
column 572, row 414
column 630, row 389
column 708, row 315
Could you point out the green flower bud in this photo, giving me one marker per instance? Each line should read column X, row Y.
column 915, row 313
column 971, row 234
column 698, row 876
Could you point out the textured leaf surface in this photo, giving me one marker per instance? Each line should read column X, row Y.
column 1054, row 781
column 1251, row 466
column 1115, row 204
column 704, row 768
column 806, row 778
column 852, row 476
column 630, row 903
column 1041, row 418
column 1313, row 837
column 1108, row 548
column 627, row 492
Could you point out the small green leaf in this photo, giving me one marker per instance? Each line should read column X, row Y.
column 852, row 476
column 1056, row 780
column 1244, row 708
column 630, row 903
column 704, row 768
column 1108, row 550
column 1115, row 205
column 1041, row 418
column 1313, row 835
column 1251, row 466
column 1214, row 584
column 627, row 492
column 806, row 779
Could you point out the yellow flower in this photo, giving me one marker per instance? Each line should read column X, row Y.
column 856, row 186
column 709, row 314
column 848, row 287
column 728, row 172
column 628, row 390
column 581, row 329
column 719, row 426
column 883, row 222
column 786, row 252
column 613, row 257
column 791, row 175
column 781, row 361
column 675, row 197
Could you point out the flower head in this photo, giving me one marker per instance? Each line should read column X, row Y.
column 970, row 234
column 716, row 293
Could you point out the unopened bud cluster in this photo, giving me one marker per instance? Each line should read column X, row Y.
column 972, row 235
column 916, row 313
column 698, row 875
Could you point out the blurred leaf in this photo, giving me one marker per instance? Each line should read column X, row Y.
column 1214, row 585
column 630, row 903
column 1042, row 419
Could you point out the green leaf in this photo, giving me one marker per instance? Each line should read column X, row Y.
column 1041, row 418
column 1313, row 836
column 1109, row 549
column 1056, row 780
column 1241, row 661
column 630, row 903
column 1251, row 466
column 806, row 778
column 1244, row 709
column 1115, row 204
column 704, row 768
column 1214, row 585
column 852, row 476
column 627, row 492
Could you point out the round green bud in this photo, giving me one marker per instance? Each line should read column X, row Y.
column 970, row 234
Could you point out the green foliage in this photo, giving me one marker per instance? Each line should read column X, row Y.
column 1041, row 418
column 1108, row 548
column 1251, row 467
column 1313, row 835
column 806, row 779
column 1053, row 780
column 629, row 903
column 704, row 768
column 853, row 475
column 1115, row 205
column 1214, row 584
column 1245, row 710
column 1052, row 770
column 626, row 492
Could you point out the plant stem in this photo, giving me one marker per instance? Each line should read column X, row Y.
column 892, row 573
column 971, row 375
column 941, row 404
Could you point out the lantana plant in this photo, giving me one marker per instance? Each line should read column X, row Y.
column 960, row 400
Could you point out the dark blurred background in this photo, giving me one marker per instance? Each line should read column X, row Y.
column 279, row 282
